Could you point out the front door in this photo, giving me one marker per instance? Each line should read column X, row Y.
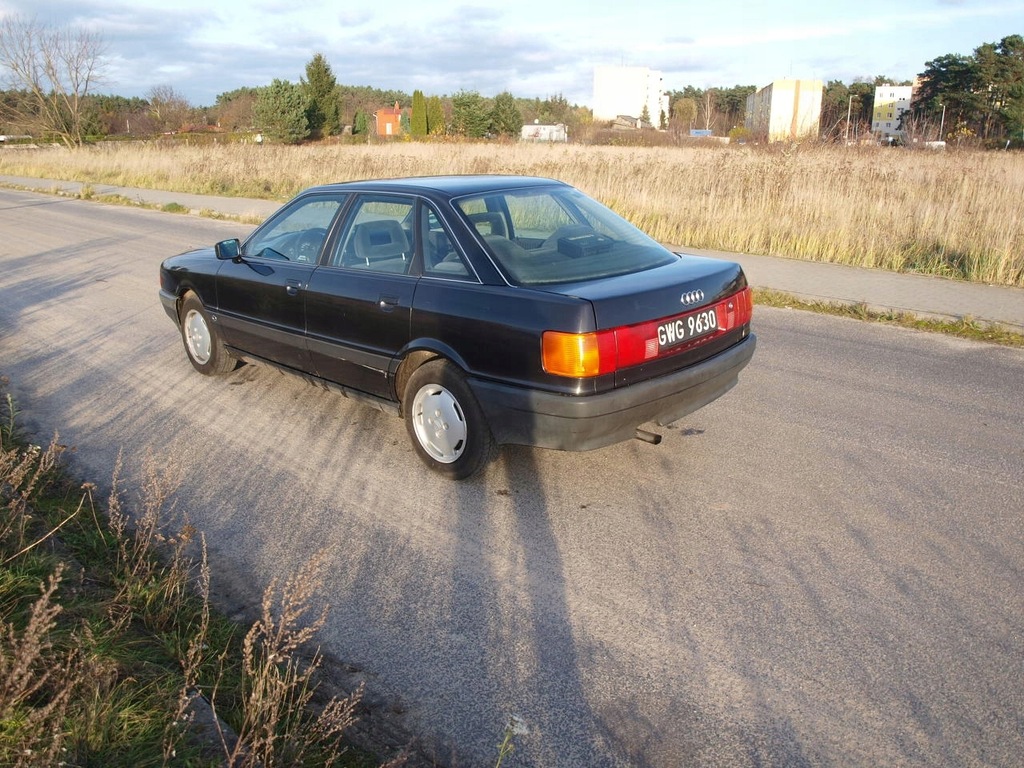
column 261, row 295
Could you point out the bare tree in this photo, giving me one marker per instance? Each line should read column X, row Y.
column 55, row 68
column 234, row 109
column 168, row 108
column 918, row 127
column 707, row 108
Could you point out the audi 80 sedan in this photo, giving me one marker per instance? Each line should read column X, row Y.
column 483, row 310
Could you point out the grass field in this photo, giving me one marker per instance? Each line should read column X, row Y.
column 956, row 214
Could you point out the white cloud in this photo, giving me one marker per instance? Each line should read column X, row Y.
column 532, row 47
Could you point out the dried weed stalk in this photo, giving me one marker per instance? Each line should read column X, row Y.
column 191, row 665
column 278, row 728
column 22, row 472
column 52, row 702
column 36, row 684
column 154, row 570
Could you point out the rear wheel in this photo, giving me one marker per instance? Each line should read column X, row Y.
column 445, row 422
column 202, row 340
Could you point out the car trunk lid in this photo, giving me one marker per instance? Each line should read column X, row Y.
column 670, row 317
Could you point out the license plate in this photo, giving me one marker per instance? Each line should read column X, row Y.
column 687, row 328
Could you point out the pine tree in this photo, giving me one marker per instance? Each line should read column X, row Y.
column 469, row 117
column 319, row 88
column 506, row 119
column 360, row 123
column 280, row 112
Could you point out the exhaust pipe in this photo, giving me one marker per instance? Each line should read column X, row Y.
column 648, row 437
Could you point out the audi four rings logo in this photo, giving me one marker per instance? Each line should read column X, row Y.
column 692, row 297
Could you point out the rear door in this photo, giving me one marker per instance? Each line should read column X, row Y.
column 261, row 295
column 358, row 303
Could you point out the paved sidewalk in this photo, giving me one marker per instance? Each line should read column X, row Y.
column 228, row 206
column 880, row 290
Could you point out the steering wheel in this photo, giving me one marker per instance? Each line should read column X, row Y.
column 307, row 246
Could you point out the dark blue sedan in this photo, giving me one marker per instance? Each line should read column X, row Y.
column 482, row 309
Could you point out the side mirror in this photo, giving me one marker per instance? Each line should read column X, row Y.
column 228, row 250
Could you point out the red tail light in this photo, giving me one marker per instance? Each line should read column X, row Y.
column 582, row 355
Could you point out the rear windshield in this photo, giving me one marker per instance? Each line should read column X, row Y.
column 550, row 235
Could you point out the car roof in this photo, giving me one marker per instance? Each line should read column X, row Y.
column 447, row 186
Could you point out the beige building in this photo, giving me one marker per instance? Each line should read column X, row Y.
column 891, row 101
column 626, row 91
column 785, row 110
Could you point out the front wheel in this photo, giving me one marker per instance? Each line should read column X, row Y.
column 203, row 345
column 445, row 423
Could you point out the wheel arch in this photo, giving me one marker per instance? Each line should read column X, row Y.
column 203, row 287
column 183, row 293
column 415, row 355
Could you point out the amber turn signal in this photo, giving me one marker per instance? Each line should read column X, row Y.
column 578, row 355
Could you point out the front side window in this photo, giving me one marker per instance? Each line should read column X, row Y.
column 552, row 235
column 298, row 233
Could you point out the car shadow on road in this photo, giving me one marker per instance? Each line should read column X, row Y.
column 529, row 648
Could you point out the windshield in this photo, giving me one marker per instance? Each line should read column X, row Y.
column 558, row 235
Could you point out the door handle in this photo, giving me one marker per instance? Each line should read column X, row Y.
column 292, row 287
column 388, row 303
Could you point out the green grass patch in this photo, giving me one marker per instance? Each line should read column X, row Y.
column 964, row 328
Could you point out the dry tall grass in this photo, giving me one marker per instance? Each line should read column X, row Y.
column 277, row 728
column 958, row 214
column 94, row 625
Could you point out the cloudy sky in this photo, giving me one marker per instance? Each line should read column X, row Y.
column 530, row 47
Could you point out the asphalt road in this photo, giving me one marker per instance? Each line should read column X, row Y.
column 825, row 567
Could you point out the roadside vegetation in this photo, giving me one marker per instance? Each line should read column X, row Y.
column 110, row 653
column 954, row 214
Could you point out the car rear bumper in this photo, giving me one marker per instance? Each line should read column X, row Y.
column 582, row 423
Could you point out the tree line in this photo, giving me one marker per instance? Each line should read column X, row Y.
column 317, row 107
column 52, row 78
column 980, row 96
column 53, row 75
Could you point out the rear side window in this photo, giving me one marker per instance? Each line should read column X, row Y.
column 557, row 235
column 440, row 256
column 378, row 235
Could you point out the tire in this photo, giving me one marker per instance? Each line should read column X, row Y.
column 444, row 421
column 202, row 340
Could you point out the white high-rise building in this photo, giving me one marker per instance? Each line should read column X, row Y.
column 626, row 91
column 891, row 101
column 786, row 110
